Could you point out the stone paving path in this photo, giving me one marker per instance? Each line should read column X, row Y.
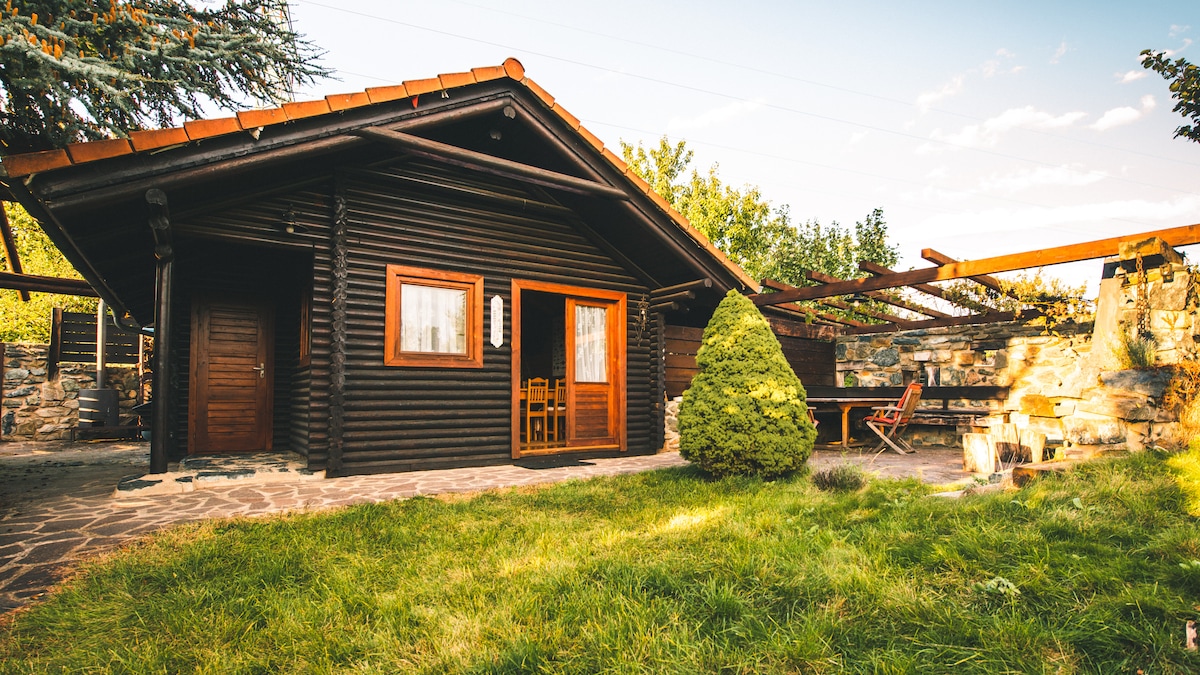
column 57, row 504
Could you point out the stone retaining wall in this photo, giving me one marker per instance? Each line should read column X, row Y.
column 38, row 408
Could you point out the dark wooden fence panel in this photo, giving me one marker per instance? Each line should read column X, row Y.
column 76, row 340
column 812, row 360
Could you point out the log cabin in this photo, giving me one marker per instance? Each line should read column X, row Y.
column 382, row 281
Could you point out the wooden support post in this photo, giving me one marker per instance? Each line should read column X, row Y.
column 160, row 434
column 101, row 344
column 337, row 349
column 55, row 353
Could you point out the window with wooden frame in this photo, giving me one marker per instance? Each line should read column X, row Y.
column 433, row 318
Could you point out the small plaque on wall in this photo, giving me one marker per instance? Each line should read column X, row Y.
column 497, row 321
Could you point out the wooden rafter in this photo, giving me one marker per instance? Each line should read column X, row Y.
column 451, row 154
column 30, row 282
column 846, row 307
column 10, row 249
column 969, row 320
column 1176, row 236
column 821, row 277
column 927, row 289
column 985, row 280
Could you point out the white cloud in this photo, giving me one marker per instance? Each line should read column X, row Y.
column 1119, row 117
column 858, row 136
column 996, row 66
column 988, row 133
column 926, row 100
column 1177, row 30
column 1172, row 53
column 1060, row 52
column 713, row 117
column 1130, row 76
column 1041, row 176
column 1091, row 221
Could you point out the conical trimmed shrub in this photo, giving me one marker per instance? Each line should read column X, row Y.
column 745, row 412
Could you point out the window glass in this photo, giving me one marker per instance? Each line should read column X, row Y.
column 591, row 344
column 433, row 319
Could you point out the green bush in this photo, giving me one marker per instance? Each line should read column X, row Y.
column 745, row 412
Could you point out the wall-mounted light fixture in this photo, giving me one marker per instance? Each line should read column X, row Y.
column 288, row 222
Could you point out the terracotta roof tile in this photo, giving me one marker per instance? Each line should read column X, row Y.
column 88, row 152
column 33, row 162
column 541, row 93
column 418, row 87
column 252, row 119
column 615, row 160
column 489, row 73
column 157, row 138
column 452, row 80
column 298, row 111
column 346, row 101
column 200, row 129
column 514, row 69
column 592, row 138
column 385, row 94
column 571, row 120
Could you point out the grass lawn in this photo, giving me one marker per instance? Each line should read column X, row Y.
column 664, row 572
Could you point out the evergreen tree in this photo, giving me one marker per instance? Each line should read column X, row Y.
column 74, row 70
column 745, row 412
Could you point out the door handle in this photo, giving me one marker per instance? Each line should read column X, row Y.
column 262, row 370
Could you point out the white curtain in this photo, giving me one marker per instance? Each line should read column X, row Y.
column 433, row 319
column 591, row 344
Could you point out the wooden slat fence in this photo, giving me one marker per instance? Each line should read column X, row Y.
column 812, row 360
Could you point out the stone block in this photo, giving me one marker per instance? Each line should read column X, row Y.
column 70, row 385
column 886, row 357
column 1130, row 250
column 1171, row 295
column 1037, row 405
column 964, row 358
column 1082, row 429
column 19, row 392
column 26, row 428
column 1132, row 408
column 53, row 411
column 906, row 340
column 1150, row 382
column 15, row 374
column 922, row 356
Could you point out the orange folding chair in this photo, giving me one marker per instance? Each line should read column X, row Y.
column 888, row 422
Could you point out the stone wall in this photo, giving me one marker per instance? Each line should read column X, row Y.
column 38, row 408
column 1069, row 385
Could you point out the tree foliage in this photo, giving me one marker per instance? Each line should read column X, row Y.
column 745, row 412
column 30, row 321
column 762, row 239
column 72, row 70
column 1185, row 89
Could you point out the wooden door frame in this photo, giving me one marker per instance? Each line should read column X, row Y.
column 616, row 333
column 267, row 307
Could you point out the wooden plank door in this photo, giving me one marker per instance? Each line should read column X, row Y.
column 231, row 384
column 595, row 391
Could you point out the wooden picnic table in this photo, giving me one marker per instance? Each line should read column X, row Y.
column 846, row 404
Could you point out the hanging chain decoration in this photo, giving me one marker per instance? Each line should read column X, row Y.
column 642, row 320
column 1143, row 300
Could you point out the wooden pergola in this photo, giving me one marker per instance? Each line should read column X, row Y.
column 946, row 269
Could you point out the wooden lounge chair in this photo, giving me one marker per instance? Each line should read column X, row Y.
column 888, row 422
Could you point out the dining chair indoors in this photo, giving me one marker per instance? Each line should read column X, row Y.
column 536, row 409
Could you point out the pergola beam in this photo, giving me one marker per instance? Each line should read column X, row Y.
column 1175, row 236
column 969, row 320
column 32, row 282
column 985, row 280
column 822, row 278
column 927, row 289
column 10, row 248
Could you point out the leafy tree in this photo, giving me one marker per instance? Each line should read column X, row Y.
column 1185, row 89
column 30, row 321
column 745, row 412
column 744, row 225
column 72, row 70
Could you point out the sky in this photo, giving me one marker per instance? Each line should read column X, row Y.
column 979, row 128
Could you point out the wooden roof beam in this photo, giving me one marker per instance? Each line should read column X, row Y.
column 927, row 289
column 452, row 154
column 10, row 249
column 985, row 280
column 822, row 278
column 31, row 282
column 1175, row 236
column 847, row 307
column 970, row 320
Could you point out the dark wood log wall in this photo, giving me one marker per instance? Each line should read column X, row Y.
column 419, row 215
column 398, row 418
column 812, row 360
